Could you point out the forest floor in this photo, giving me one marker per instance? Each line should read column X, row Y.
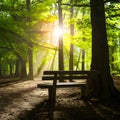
column 22, row 100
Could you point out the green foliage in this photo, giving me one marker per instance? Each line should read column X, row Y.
column 18, row 25
column 21, row 28
column 113, row 33
column 6, row 59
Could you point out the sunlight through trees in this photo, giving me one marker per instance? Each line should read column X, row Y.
column 32, row 31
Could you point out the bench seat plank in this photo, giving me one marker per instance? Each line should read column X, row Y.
column 63, row 77
column 51, row 88
column 67, row 72
column 59, row 85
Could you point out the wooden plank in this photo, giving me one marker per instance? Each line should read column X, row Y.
column 67, row 72
column 44, row 85
column 59, row 85
column 63, row 77
column 48, row 78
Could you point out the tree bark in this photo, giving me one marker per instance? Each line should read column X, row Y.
column 11, row 67
column 83, row 60
column 17, row 68
column 23, row 69
column 100, row 52
column 60, row 57
column 71, row 34
column 30, row 49
column 30, row 53
column 60, row 52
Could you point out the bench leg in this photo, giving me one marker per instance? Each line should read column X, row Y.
column 52, row 94
column 83, row 92
column 52, row 100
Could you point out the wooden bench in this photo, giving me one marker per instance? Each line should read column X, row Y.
column 55, row 76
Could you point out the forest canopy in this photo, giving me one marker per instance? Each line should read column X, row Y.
column 29, row 35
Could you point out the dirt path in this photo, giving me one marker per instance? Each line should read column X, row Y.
column 24, row 101
column 17, row 98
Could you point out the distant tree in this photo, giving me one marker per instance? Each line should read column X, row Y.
column 71, row 34
column 18, row 33
column 61, row 58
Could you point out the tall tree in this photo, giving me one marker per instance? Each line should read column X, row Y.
column 61, row 58
column 100, row 52
column 83, row 50
column 30, row 51
column 71, row 34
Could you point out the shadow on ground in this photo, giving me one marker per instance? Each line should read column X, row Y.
column 24, row 101
column 39, row 112
column 88, row 110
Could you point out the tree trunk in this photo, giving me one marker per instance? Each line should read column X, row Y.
column 30, row 49
column 71, row 34
column 83, row 60
column 83, row 50
column 61, row 58
column 11, row 67
column 100, row 53
column 17, row 68
column 30, row 53
column 23, row 69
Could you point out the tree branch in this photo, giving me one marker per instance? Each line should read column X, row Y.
column 76, row 5
column 52, row 48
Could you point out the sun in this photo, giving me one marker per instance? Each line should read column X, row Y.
column 57, row 32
